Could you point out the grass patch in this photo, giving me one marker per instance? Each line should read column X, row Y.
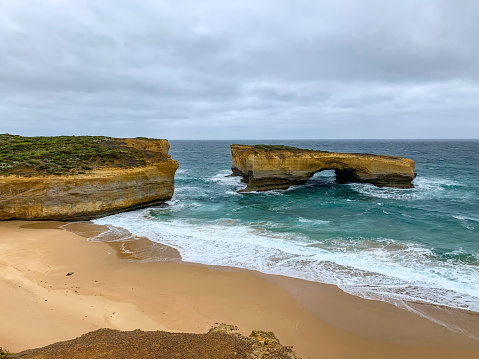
column 5, row 354
column 62, row 155
column 276, row 147
column 284, row 148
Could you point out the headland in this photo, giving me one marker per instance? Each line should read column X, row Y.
column 82, row 177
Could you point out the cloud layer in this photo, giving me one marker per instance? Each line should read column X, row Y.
column 240, row 69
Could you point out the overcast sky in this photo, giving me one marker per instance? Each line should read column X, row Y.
column 259, row 69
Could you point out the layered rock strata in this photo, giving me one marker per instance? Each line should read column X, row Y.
column 278, row 167
column 97, row 192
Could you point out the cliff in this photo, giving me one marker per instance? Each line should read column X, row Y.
column 78, row 178
column 278, row 167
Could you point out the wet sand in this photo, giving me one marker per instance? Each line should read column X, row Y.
column 131, row 284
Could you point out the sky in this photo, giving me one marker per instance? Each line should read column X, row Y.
column 248, row 69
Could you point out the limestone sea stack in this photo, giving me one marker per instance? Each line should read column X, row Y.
column 82, row 177
column 268, row 167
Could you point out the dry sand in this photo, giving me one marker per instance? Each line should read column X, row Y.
column 40, row 304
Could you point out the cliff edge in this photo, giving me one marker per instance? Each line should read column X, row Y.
column 80, row 178
column 267, row 167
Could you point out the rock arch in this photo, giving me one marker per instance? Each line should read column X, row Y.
column 278, row 167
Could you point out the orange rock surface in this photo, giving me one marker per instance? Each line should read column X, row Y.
column 278, row 168
column 96, row 193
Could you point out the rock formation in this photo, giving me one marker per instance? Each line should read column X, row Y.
column 266, row 167
column 140, row 173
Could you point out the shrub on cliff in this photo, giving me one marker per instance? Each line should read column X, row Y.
column 62, row 154
column 275, row 147
column 5, row 354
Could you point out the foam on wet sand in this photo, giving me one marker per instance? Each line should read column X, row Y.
column 40, row 304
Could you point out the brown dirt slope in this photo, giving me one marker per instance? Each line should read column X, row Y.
column 218, row 343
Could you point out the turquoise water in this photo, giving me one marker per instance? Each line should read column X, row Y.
column 418, row 244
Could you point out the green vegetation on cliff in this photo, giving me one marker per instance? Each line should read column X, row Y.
column 28, row 156
column 5, row 354
column 283, row 148
column 275, row 147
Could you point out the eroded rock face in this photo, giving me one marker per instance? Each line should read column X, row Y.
column 95, row 193
column 265, row 168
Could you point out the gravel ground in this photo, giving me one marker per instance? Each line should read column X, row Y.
column 219, row 343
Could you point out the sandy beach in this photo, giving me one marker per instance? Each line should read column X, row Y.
column 113, row 286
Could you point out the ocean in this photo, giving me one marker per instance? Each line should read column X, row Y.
column 394, row 245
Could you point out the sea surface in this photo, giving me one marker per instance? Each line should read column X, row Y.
column 390, row 244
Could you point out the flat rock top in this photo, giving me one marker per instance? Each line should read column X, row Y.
column 109, row 343
column 71, row 155
column 272, row 150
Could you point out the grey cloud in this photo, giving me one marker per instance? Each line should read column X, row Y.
column 240, row 69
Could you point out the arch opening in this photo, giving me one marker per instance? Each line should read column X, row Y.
column 323, row 178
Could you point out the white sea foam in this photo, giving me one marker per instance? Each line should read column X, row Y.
column 424, row 188
column 467, row 221
column 232, row 183
column 232, row 193
column 270, row 193
column 318, row 222
column 184, row 192
column 382, row 269
column 466, row 218
column 322, row 178
column 181, row 173
column 174, row 205
column 224, row 177
column 112, row 234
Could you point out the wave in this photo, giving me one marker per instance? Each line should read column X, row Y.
column 378, row 268
column 113, row 234
column 187, row 189
column 225, row 177
column 424, row 188
column 323, row 178
column 318, row 222
column 467, row 221
column 465, row 218
column 173, row 206
column 181, row 173
column 185, row 192
column 232, row 193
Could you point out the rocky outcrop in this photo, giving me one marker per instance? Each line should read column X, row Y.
column 137, row 182
column 278, row 167
column 219, row 343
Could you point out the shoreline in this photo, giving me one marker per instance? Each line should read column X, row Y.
column 131, row 247
column 106, row 290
